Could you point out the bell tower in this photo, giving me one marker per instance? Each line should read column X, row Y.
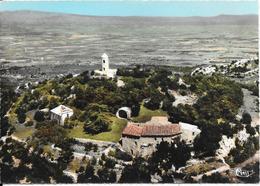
column 105, row 62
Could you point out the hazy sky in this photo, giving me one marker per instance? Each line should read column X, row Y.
column 137, row 8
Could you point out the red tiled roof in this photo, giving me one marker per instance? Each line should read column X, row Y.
column 161, row 130
column 132, row 130
column 152, row 130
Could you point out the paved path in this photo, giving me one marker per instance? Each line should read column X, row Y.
column 84, row 140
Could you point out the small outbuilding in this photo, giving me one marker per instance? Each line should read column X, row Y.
column 60, row 113
column 124, row 113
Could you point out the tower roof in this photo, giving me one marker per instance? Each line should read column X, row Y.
column 104, row 55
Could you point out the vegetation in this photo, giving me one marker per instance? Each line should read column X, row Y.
column 168, row 155
column 138, row 172
column 31, row 165
column 243, row 152
column 215, row 178
column 246, row 118
column 217, row 106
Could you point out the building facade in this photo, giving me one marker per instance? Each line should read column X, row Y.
column 141, row 139
column 189, row 132
column 105, row 70
column 60, row 113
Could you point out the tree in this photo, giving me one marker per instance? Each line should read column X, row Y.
column 167, row 155
column 39, row 116
column 106, row 175
column 135, row 110
column 88, row 176
column 246, row 118
column 250, row 130
column 99, row 125
column 138, row 172
column 167, row 105
column 215, row 178
column 153, row 103
column 5, row 126
column 208, row 140
column 49, row 132
column 21, row 117
column 64, row 179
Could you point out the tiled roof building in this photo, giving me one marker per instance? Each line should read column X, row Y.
column 151, row 130
column 141, row 139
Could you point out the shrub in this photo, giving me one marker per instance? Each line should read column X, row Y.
column 122, row 155
column 135, row 110
column 39, row 116
column 246, row 118
column 250, row 130
column 99, row 125
column 153, row 104
column 183, row 92
column 21, row 117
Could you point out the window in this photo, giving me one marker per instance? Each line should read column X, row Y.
column 193, row 133
column 104, row 61
column 135, row 143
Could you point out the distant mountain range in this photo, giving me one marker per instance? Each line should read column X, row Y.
column 35, row 18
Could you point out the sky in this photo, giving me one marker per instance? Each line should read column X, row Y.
column 137, row 8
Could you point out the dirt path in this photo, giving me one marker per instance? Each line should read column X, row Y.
column 250, row 106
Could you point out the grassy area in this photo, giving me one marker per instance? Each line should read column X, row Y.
column 23, row 132
column 113, row 135
column 146, row 114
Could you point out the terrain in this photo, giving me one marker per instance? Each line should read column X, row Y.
column 39, row 38
column 51, row 56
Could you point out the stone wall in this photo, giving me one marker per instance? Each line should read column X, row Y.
column 143, row 146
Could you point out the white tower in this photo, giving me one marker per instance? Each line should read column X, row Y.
column 105, row 63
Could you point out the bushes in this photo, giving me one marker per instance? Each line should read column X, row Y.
column 250, row 130
column 122, row 155
column 208, row 140
column 99, row 125
column 135, row 110
column 39, row 116
column 21, row 117
column 242, row 153
column 246, row 118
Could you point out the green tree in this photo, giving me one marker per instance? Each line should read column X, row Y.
column 39, row 116
column 106, row 175
column 246, row 118
column 138, row 172
column 88, row 176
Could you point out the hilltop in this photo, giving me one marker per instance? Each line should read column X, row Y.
column 37, row 18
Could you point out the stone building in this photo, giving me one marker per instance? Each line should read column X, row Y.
column 60, row 113
column 141, row 139
column 105, row 70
